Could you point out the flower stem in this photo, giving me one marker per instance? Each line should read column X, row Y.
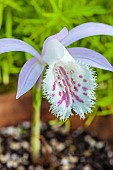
column 35, row 128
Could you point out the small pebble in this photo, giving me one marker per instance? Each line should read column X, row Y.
column 15, row 164
column 73, row 159
column 21, row 167
column 54, row 142
column 25, row 145
column 65, row 167
column 4, row 158
column 90, row 140
column 87, row 153
column 68, row 142
column 14, row 156
column 25, row 156
column 31, row 167
column 87, row 167
column 99, row 145
column 14, row 145
column 26, row 125
column 12, row 164
column 111, row 161
column 60, row 147
column 9, row 131
column 38, row 168
column 65, row 161
column 110, row 154
column 72, row 149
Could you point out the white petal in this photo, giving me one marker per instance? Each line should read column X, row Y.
column 54, row 51
column 58, row 36
column 69, row 86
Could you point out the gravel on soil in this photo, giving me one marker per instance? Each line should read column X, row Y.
column 61, row 150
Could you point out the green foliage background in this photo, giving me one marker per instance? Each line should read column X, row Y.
column 34, row 20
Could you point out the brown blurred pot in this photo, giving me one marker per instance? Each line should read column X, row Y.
column 14, row 111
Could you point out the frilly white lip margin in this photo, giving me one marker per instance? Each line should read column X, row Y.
column 72, row 87
column 69, row 83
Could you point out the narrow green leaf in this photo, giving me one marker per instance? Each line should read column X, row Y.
column 14, row 5
column 1, row 15
column 8, row 23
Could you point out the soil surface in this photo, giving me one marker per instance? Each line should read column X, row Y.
column 61, row 149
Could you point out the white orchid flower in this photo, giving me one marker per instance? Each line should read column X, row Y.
column 69, row 83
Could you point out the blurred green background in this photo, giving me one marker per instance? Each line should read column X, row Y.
column 34, row 20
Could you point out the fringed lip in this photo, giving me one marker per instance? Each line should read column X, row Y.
column 72, row 87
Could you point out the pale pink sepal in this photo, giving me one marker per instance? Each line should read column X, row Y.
column 90, row 57
column 28, row 76
column 11, row 44
column 86, row 30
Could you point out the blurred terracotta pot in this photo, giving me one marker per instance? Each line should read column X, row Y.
column 14, row 111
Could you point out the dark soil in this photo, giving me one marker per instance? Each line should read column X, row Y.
column 61, row 150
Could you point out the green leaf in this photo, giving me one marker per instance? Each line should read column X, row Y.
column 1, row 15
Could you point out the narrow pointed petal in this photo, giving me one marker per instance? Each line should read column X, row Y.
column 28, row 76
column 59, row 36
column 54, row 51
column 86, row 30
column 71, row 87
column 11, row 44
column 90, row 57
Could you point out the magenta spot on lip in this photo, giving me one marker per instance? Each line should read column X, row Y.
column 59, row 93
column 53, row 95
column 78, row 98
column 84, row 88
column 84, row 80
column 63, row 79
column 85, row 94
column 60, row 84
column 79, row 84
column 63, row 71
column 62, row 75
column 75, row 88
column 54, row 86
column 80, row 76
column 74, row 82
column 65, row 98
column 58, row 77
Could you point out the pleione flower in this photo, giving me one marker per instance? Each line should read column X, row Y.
column 69, row 83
